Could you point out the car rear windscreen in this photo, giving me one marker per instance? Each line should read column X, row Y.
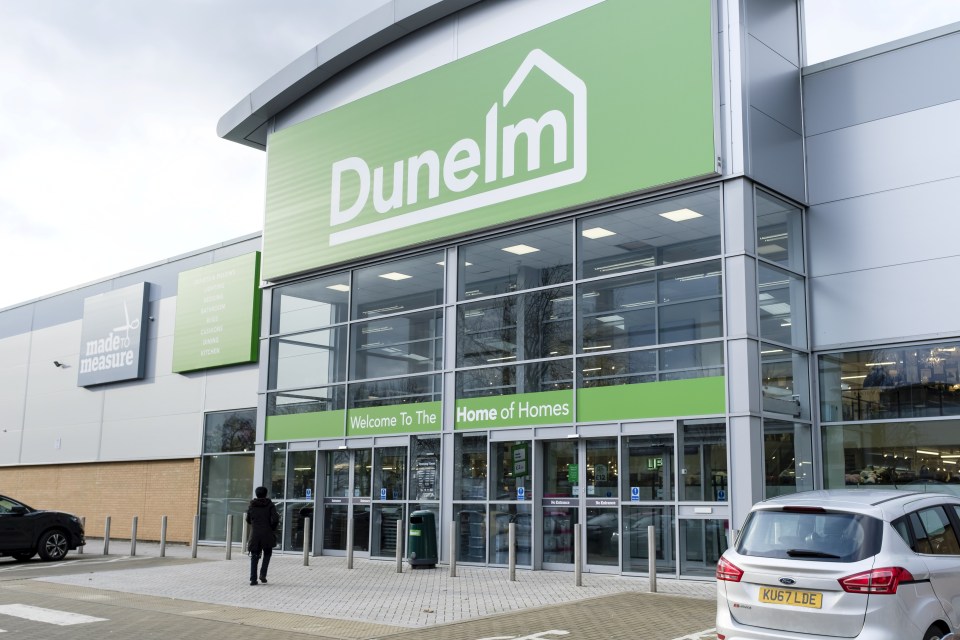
column 807, row 535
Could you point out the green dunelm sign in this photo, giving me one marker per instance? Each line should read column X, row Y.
column 615, row 99
column 218, row 314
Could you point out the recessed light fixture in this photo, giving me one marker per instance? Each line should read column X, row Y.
column 681, row 214
column 466, row 264
column 521, row 249
column 339, row 287
column 393, row 275
column 597, row 232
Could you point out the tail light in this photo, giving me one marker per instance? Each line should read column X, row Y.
column 879, row 581
column 728, row 571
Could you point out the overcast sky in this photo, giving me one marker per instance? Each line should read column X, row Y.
column 109, row 157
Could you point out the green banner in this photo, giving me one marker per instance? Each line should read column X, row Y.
column 396, row 418
column 305, row 426
column 519, row 410
column 695, row 396
column 218, row 314
column 614, row 99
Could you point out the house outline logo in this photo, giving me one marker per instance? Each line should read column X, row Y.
column 555, row 119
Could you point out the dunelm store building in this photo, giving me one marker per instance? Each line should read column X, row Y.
column 580, row 266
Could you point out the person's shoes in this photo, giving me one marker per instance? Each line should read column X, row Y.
column 263, row 579
column 253, row 583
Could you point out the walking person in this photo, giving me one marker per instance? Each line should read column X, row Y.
column 263, row 519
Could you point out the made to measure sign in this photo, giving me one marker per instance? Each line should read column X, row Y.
column 112, row 340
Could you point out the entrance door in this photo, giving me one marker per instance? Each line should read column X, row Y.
column 389, row 496
column 649, row 461
column 346, row 497
column 600, row 473
column 560, row 503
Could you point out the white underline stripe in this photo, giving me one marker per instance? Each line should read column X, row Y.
column 50, row 616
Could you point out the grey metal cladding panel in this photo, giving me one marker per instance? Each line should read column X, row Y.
column 890, row 226
column 16, row 320
column 237, row 249
column 911, row 148
column 66, row 306
column 883, row 305
column 907, row 79
column 773, row 85
column 776, row 155
column 775, row 23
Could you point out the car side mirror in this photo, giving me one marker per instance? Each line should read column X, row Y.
column 18, row 510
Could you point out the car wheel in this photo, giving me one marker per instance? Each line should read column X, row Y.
column 23, row 556
column 53, row 545
column 933, row 633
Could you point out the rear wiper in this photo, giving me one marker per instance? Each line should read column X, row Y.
column 809, row 553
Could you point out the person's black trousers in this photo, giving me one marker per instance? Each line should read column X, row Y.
column 255, row 559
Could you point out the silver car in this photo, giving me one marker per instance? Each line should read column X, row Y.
column 869, row 564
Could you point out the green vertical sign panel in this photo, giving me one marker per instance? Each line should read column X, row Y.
column 614, row 99
column 218, row 314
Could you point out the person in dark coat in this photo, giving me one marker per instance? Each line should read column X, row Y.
column 263, row 519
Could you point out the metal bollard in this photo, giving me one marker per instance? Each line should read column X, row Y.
column 652, row 558
column 244, row 534
column 577, row 565
column 106, row 536
column 512, row 537
column 83, row 525
column 399, row 545
column 163, row 536
column 228, row 538
column 349, row 543
column 133, row 537
column 453, row 549
column 306, row 542
column 196, row 536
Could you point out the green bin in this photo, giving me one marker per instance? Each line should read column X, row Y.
column 422, row 550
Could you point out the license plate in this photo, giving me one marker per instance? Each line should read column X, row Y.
column 792, row 597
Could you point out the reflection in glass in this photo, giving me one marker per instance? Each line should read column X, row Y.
column 618, row 313
column 611, row 369
column 398, row 345
column 394, row 287
column 511, row 470
column 788, row 457
column 295, row 515
column 335, row 527
column 704, row 469
column 309, row 305
column 275, row 469
column 390, row 473
column 915, row 456
column 228, row 431
column 283, row 403
column 634, row 538
column 224, row 489
column 548, row 375
column 385, row 519
column 381, row 393
column 501, row 516
column 782, row 302
column 529, row 259
column 701, row 544
column 785, row 381
column 308, row 359
column 558, row 525
column 361, row 527
column 471, row 519
column 560, row 469
column 425, row 468
column 469, row 480
column 666, row 231
column 361, row 473
column 522, row 327
column 603, row 526
column 602, row 468
column 779, row 231
column 692, row 361
column 338, row 474
column 649, row 460
column 301, row 475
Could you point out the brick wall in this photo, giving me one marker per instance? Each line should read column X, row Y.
column 121, row 490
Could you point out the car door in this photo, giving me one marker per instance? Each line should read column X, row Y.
column 937, row 541
column 14, row 528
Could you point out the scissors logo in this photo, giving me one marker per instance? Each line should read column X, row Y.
column 131, row 324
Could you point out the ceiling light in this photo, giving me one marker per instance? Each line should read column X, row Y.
column 878, row 364
column 521, row 249
column 339, row 287
column 681, row 214
column 597, row 232
column 393, row 275
column 769, row 248
column 928, row 453
column 602, row 346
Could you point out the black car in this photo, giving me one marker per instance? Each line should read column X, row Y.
column 25, row 532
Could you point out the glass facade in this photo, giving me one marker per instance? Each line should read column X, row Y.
column 226, row 475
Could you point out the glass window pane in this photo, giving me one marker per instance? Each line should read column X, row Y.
column 560, row 472
column 385, row 519
column 549, row 375
column 690, row 321
column 390, row 472
column 779, row 231
column 335, row 527
column 275, row 468
column 338, row 476
column 398, row 345
column 224, row 490
column 312, row 304
column 425, row 468
column 472, row 520
column 693, row 361
column 381, row 393
column 394, row 287
column 676, row 229
column 940, row 533
column 703, row 472
column 362, row 474
column 634, row 538
column 701, row 544
column 525, row 260
column 301, row 475
column 228, row 431
column 787, row 457
column 904, row 382
column 510, row 469
column 691, row 282
column 308, row 359
column 649, row 460
column 618, row 313
column 610, row 369
column 523, row 327
column 602, row 468
column 558, row 526
column 470, row 476
column 915, row 456
column 294, row 520
column 782, row 306
column 786, row 388
column 501, row 517
column 284, row 403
